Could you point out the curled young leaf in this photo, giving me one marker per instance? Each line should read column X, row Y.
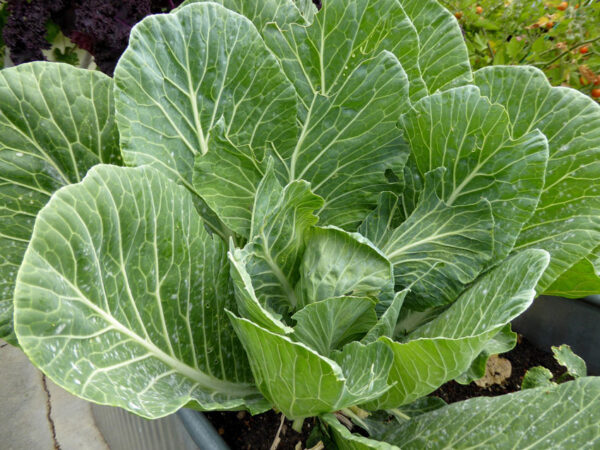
column 302, row 383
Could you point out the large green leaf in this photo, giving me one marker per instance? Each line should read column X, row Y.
column 422, row 34
column 183, row 73
column 580, row 280
column 351, row 89
column 462, row 131
column 566, row 222
column 443, row 56
column 302, row 383
column 319, row 57
column 337, row 263
column 366, row 368
column 121, row 295
column 348, row 137
column 329, row 324
column 385, row 218
column 563, row 416
column 345, row 440
column 248, row 304
column 440, row 248
column 227, row 178
column 261, row 12
column 56, row 122
column 445, row 347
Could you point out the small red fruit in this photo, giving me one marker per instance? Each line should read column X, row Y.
column 458, row 15
column 562, row 6
column 595, row 93
column 583, row 50
column 479, row 10
column 549, row 25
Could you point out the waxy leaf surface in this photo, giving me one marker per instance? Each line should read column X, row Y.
column 121, row 298
column 183, row 73
column 351, row 88
column 443, row 56
column 330, row 324
column 566, row 222
column 262, row 12
column 302, row 383
column 56, row 122
column 563, row 416
column 445, row 347
column 440, row 248
column 337, row 263
column 272, row 258
column 462, row 131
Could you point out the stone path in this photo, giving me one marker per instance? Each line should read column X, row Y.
column 36, row 414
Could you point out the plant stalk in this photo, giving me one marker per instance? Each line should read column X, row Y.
column 277, row 439
column 297, row 425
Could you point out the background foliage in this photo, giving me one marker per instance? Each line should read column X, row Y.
column 561, row 38
column 30, row 28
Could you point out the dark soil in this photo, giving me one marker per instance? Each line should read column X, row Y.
column 242, row 431
column 523, row 357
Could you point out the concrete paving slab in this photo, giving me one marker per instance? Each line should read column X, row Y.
column 36, row 414
column 23, row 422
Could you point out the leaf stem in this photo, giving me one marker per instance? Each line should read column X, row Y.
column 398, row 414
column 277, row 439
column 356, row 417
column 297, row 425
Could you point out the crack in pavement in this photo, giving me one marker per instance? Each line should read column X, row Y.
column 49, row 413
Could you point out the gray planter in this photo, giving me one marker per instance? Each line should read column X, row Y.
column 185, row 430
column 555, row 321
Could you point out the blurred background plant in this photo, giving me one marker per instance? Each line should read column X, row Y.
column 72, row 31
column 560, row 37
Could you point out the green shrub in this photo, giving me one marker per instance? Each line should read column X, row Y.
column 561, row 38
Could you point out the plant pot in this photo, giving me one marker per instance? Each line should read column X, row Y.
column 555, row 321
column 185, row 430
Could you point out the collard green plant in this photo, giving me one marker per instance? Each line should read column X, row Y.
column 321, row 212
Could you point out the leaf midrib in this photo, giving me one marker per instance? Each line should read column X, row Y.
column 203, row 380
